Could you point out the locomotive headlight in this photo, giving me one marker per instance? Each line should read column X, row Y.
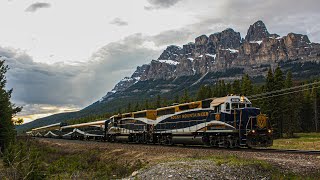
column 269, row 131
column 253, row 131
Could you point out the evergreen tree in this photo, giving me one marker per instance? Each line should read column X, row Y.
column 146, row 104
column 165, row 102
column 202, row 93
column 290, row 109
column 7, row 111
column 176, row 99
column 129, row 108
column 137, row 107
column 158, row 101
column 246, row 85
column 223, row 89
column 236, row 88
column 307, row 112
column 185, row 97
column 208, row 92
column 278, row 101
column 315, row 96
column 215, row 92
column 269, row 102
column 228, row 88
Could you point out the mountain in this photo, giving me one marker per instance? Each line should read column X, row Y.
column 223, row 51
column 220, row 56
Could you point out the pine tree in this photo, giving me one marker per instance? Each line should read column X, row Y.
column 236, row 88
column 268, row 102
column 146, row 104
column 176, row 99
column 246, row 85
column 315, row 96
column 7, row 111
column 137, row 107
column 290, row 109
column 278, row 101
column 228, row 88
column 202, row 93
column 158, row 101
column 307, row 112
column 185, row 97
column 129, row 108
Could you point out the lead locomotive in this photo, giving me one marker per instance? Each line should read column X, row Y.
column 223, row 122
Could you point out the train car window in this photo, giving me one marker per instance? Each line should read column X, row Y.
column 242, row 105
column 139, row 115
column 217, row 109
column 227, row 106
column 206, row 103
column 126, row 115
column 235, row 105
column 249, row 105
column 184, row 107
column 165, row 111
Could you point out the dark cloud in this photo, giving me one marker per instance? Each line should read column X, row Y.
column 63, row 84
column 119, row 22
column 36, row 6
column 160, row 4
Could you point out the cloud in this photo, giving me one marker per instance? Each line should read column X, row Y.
column 80, row 84
column 119, row 22
column 36, row 6
column 160, row 4
column 35, row 111
column 178, row 36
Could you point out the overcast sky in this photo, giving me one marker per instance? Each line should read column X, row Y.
column 64, row 55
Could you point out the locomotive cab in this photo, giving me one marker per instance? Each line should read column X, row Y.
column 252, row 127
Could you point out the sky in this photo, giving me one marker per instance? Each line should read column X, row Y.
column 66, row 54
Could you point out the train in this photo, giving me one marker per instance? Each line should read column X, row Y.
column 228, row 122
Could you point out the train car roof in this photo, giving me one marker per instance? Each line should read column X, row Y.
column 143, row 111
column 102, row 122
column 220, row 100
column 177, row 105
column 48, row 126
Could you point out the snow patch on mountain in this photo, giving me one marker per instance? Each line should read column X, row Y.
column 171, row 62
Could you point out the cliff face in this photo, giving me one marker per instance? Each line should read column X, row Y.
column 225, row 50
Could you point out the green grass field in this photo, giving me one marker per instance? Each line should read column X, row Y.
column 302, row 141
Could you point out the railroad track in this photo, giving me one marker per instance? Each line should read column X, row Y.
column 267, row 150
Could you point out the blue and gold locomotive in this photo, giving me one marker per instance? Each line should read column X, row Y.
column 228, row 122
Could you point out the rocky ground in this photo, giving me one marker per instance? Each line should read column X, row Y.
column 177, row 162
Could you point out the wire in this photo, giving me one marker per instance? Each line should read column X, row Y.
column 285, row 93
column 283, row 90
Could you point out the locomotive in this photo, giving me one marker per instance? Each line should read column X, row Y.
column 227, row 122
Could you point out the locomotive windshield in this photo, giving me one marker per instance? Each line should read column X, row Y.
column 240, row 105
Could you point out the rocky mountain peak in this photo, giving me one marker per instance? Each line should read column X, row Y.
column 170, row 53
column 201, row 40
column 226, row 39
column 257, row 32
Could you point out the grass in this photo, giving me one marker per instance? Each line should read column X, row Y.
column 302, row 141
column 56, row 163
